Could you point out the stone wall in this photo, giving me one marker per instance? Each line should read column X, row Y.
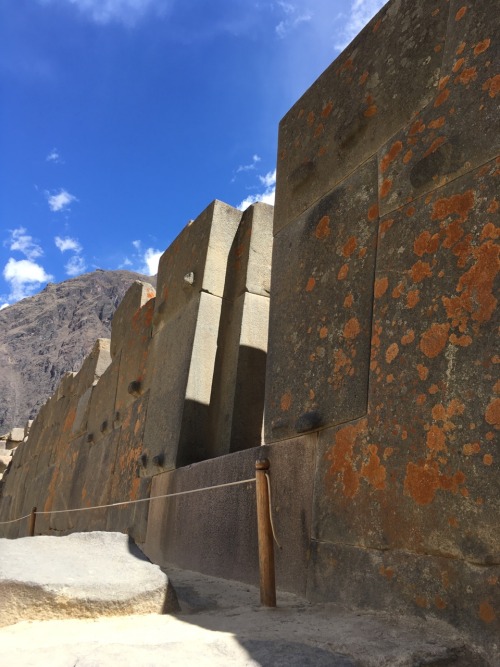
column 381, row 398
column 169, row 388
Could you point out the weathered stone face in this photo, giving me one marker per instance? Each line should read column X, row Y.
column 322, row 292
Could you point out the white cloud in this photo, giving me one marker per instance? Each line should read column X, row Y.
column 251, row 166
column 121, row 11
column 67, row 244
column 292, row 19
column 23, row 242
column 4, row 305
column 361, row 12
column 267, row 196
column 54, row 156
column 60, row 201
column 25, row 277
column 151, row 258
column 75, row 265
column 136, row 244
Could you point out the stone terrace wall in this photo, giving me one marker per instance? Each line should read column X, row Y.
column 168, row 388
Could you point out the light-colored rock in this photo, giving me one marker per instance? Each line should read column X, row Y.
column 5, row 459
column 16, row 435
column 77, row 576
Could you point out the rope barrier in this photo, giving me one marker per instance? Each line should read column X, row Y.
column 132, row 502
column 271, row 510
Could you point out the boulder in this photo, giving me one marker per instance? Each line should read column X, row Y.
column 83, row 575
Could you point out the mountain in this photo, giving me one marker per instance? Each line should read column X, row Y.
column 44, row 336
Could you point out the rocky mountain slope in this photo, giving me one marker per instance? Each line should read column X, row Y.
column 46, row 335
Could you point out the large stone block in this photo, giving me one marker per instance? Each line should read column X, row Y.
column 102, row 413
column 434, row 407
column 321, row 305
column 237, row 400
column 181, row 362
column 459, row 129
column 137, row 296
column 405, row 583
column 196, row 261
column 93, row 366
column 387, row 74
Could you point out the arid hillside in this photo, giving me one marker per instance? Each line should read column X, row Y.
column 46, row 335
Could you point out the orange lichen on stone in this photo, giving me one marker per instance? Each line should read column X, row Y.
column 286, row 401
column 377, row 26
column 461, row 341
column 391, row 155
column 422, row 371
column 487, row 459
column 476, row 284
column 386, row 572
column 460, row 48
column 492, row 85
column 426, row 243
column 310, row 284
column 341, row 456
column 436, row 439
column 433, row 389
column 323, row 228
column 352, row 328
column 363, row 78
column 490, row 231
column 439, row 602
column 442, row 97
column 327, row 109
column 466, row 76
column 310, row 118
column 319, row 130
column 348, row 301
column 434, row 146
column 492, row 414
column 398, row 291
column 437, row 122
column 459, row 204
column 421, row 601
column 471, row 448
column 343, row 271
column 323, row 332
column 407, row 156
column 482, row 46
column 373, row 471
column 420, row 270
column 486, row 612
column 423, row 480
column 349, row 247
column 461, row 13
column 458, row 64
column 391, row 352
column 412, row 298
column 373, row 212
column 380, row 286
column 371, row 111
column 416, row 128
column 433, row 341
column 385, row 187
column 408, row 338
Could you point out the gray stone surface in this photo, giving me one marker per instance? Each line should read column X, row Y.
column 137, row 295
column 80, row 575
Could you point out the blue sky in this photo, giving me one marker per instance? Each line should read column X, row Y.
column 120, row 120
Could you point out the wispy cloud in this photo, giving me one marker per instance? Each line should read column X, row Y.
column 23, row 242
column 151, row 260
column 266, row 196
column 361, row 12
column 292, row 18
column 24, row 277
column 127, row 12
column 144, row 260
column 251, row 166
column 67, row 244
column 60, row 201
column 75, row 265
column 54, row 156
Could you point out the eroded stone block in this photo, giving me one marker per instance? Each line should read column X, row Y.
column 138, row 294
column 321, row 304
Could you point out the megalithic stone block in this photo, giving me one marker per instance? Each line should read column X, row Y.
column 93, row 366
column 138, row 294
column 237, row 401
column 181, row 363
column 321, row 305
column 196, row 261
column 102, row 414
column 389, row 72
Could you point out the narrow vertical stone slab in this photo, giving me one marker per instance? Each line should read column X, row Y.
column 237, row 400
column 138, row 294
column 459, row 129
column 434, row 410
column 195, row 261
column 321, row 304
column 181, row 363
column 373, row 89
column 102, row 414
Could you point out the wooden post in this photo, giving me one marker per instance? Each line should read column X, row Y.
column 265, row 533
column 31, row 532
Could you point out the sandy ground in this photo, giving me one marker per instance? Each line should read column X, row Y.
column 222, row 623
